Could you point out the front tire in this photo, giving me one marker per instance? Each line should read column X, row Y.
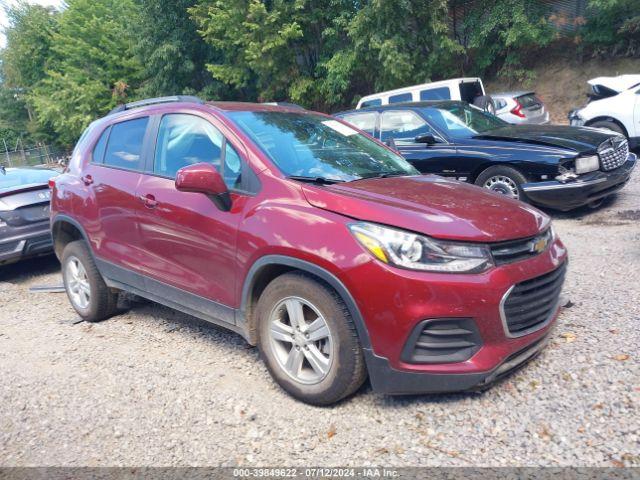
column 85, row 287
column 503, row 180
column 308, row 340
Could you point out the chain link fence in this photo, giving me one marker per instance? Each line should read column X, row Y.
column 32, row 156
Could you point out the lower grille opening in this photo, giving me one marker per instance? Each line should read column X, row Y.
column 445, row 340
column 530, row 304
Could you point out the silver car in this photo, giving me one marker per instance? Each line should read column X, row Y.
column 520, row 107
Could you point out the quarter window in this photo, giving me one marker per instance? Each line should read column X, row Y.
column 232, row 172
column 124, row 149
column 364, row 121
column 403, row 126
column 101, row 145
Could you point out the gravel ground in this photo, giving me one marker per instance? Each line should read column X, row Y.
column 155, row 387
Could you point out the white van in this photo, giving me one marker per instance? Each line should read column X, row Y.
column 469, row 90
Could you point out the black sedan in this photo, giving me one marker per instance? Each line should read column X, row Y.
column 554, row 166
column 24, row 213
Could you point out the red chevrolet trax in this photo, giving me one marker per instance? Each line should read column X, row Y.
column 311, row 240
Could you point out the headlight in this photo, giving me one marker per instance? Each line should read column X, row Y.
column 418, row 252
column 587, row 164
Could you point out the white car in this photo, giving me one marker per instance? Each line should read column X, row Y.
column 470, row 90
column 520, row 107
column 614, row 104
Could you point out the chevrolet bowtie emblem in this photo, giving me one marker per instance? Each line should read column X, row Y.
column 539, row 245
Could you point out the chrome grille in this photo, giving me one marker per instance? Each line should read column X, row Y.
column 516, row 250
column 530, row 305
column 613, row 153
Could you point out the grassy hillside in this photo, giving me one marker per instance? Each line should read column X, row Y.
column 561, row 82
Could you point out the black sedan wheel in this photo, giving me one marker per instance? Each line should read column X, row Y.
column 503, row 180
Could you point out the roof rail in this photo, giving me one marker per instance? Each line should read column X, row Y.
column 284, row 104
column 154, row 101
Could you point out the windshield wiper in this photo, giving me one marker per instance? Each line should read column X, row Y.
column 398, row 173
column 318, row 180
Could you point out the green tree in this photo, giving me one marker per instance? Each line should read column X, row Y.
column 613, row 27
column 13, row 116
column 92, row 66
column 23, row 64
column 396, row 43
column 496, row 35
column 173, row 54
column 29, row 38
column 274, row 50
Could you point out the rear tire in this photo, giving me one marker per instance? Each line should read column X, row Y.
column 85, row 287
column 503, row 180
column 308, row 340
column 608, row 125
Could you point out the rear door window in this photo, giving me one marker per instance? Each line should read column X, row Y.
column 364, row 121
column 124, row 148
column 403, row 126
column 401, row 97
column 441, row 93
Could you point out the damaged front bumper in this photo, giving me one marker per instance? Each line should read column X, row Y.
column 586, row 189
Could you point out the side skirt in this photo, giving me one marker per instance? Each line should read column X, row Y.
column 169, row 296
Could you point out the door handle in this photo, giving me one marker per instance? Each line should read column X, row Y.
column 87, row 179
column 148, row 200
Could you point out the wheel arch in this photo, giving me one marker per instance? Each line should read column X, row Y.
column 607, row 118
column 479, row 169
column 267, row 268
column 64, row 230
column 485, row 166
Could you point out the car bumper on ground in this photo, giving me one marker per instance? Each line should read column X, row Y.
column 25, row 242
column 435, row 333
column 588, row 188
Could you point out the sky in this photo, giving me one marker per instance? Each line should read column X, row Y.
column 7, row 3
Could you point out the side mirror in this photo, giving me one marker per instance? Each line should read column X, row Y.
column 426, row 138
column 204, row 178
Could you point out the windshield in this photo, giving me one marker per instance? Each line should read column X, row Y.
column 309, row 145
column 460, row 120
column 22, row 177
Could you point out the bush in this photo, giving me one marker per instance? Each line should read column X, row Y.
column 612, row 27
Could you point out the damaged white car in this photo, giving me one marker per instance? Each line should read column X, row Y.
column 614, row 104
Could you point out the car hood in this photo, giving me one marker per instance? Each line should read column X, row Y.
column 578, row 139
column 617, row 84
column 431, row 205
